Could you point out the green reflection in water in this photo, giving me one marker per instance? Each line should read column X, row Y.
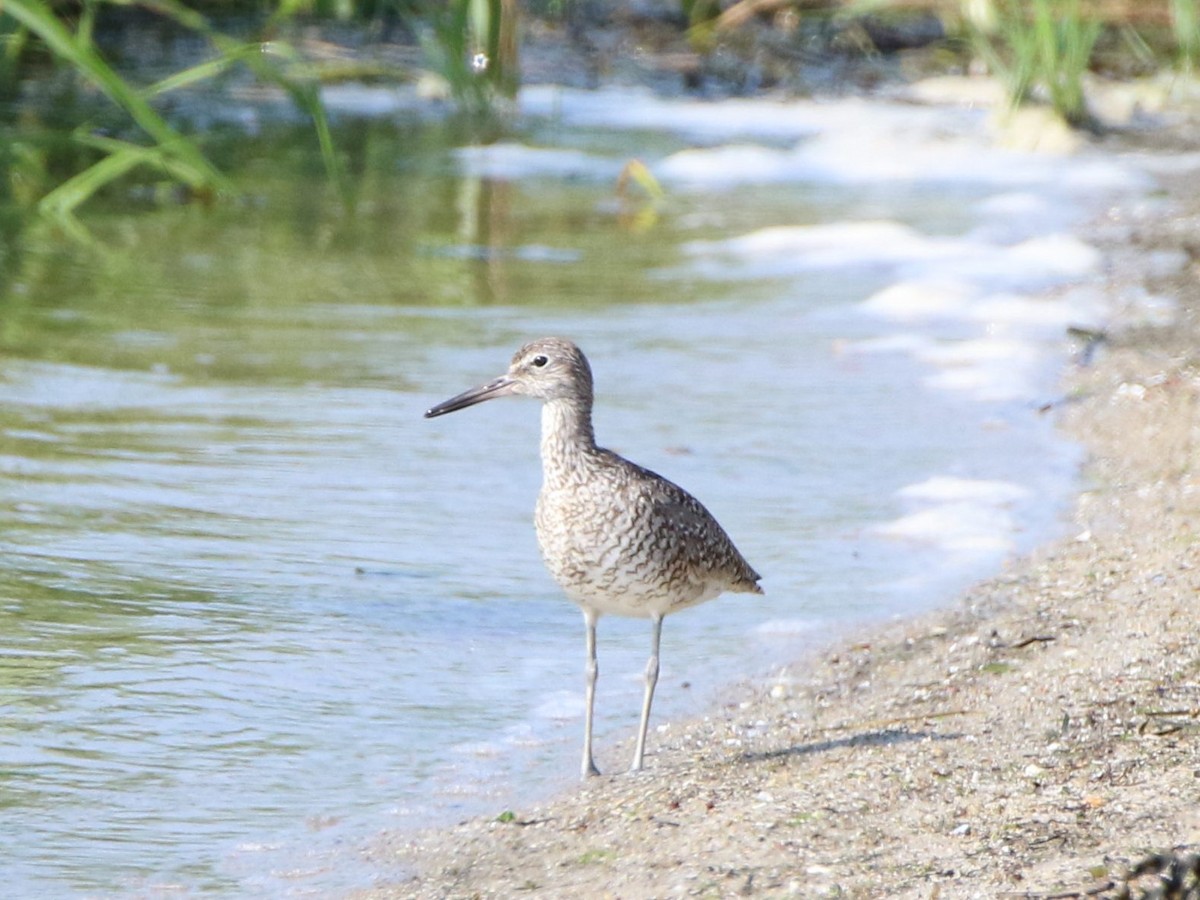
column 179, row 284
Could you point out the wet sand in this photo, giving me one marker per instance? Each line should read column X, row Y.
column 1036, row 739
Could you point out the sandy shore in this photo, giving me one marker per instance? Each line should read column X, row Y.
column 1036, row 740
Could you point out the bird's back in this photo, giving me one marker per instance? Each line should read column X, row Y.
column 624, row 540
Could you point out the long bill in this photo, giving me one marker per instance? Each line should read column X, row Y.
column 498, row 387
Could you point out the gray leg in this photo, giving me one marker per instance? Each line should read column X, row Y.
column 651, row 681
column 592, row 672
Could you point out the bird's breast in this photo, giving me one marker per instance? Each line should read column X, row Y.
column 605, row 552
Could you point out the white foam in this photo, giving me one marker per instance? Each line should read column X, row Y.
column 838, row 141
column 560, row 706
column 885, row 155
column 978, row 352
column 794, row 249
column 357, row 99
column 964, row 516
column 510, row 161
column 639, row 109
column 1015, row 337
column 935, row 151
column 1017, row 203
column 525, row 736
column 784, row 627
column 949, row 300
column 946, row 488
column 963, row 528
column 1032, row 314
column 1033, row 264
column 982, row 383
column 1012, row 216
column 921, row 299
column 988, row 369
column 960, row 265
column 728, row 165
column 842, row 141
column 1062, row 255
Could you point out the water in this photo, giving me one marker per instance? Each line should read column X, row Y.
column 255, row 608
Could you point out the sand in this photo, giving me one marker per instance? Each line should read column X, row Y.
column 1037, row 739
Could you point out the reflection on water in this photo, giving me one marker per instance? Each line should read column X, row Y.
column 254, row 607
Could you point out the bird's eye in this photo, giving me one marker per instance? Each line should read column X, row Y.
column 539, row 361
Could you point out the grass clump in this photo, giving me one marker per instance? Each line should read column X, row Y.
column 1041, row 50
column 33, row 31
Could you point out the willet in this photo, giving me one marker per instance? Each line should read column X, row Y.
column 616, row 537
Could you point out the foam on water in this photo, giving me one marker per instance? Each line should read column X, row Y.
column 636, row 109
column 509, row 161
column 949, row 489
column 1011, row 216
column 967, row 530
column 560, row 705
column 1046, row 315
column 837, row 141
column 972, row 519
column 923, row 299
column 790, row 250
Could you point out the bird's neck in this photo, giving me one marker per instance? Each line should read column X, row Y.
column 567, row 438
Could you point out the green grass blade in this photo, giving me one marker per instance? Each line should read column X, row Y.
column 61, row 203
column 201, row 72
column 157, row 157
column 304, row 92
column 306, row 95
column 75, row 190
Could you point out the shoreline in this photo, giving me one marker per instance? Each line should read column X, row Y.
column 1036, row 738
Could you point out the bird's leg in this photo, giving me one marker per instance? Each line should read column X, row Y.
column 592, row 672
column 651, row 681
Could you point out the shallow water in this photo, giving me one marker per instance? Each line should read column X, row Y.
column 255, row 608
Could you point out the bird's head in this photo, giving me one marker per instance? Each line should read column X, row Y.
column 548, row 369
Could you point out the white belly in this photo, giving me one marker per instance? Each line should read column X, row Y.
column 605, row 562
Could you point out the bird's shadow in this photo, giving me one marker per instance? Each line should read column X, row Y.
column 887, row 737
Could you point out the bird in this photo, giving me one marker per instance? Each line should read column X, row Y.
column 618, row 539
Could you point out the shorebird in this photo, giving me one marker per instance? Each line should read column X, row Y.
column 618, row 538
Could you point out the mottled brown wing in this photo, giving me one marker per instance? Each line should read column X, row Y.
column 703, row 543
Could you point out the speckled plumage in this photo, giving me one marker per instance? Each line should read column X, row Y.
column 618, row 538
